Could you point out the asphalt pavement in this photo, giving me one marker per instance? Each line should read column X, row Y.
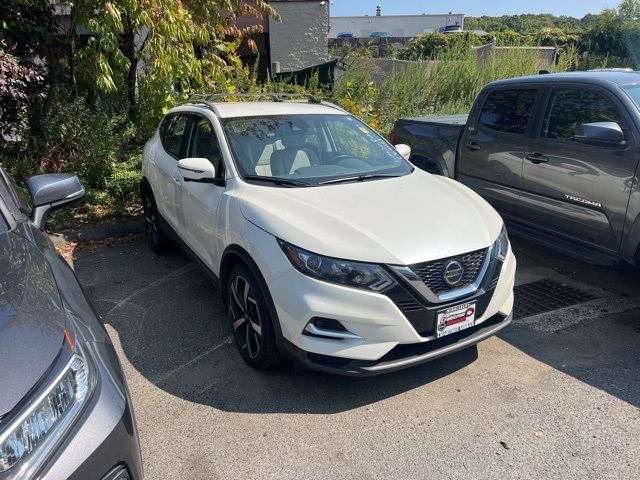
column 552, row 396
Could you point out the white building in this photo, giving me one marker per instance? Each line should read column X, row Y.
column 396, row 25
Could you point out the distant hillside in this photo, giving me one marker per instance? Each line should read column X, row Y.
column 527, row 23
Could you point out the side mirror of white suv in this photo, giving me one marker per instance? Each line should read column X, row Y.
column 197, row 170
column 404, row 150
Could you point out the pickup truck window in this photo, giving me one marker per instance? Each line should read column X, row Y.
column 570, row 108
column 508, row 110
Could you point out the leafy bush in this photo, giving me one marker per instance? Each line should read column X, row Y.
column 429, row 45
column 123, row 185
column 75, row 136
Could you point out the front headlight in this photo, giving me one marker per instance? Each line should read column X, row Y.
column 52, row 410
column 353, row 274
column 501, row 245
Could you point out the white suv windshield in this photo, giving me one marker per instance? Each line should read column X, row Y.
column 310, row 149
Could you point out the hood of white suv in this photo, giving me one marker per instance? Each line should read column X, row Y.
column 404, row 220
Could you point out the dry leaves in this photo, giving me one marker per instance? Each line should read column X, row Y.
column 70, row 250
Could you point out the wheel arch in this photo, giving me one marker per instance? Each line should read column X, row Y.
column 426, row 164
column 145, row 186
column 233, row 255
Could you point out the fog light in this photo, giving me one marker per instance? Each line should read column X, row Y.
column 328, row 328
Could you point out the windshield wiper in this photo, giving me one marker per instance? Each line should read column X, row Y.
column 360, row 178
column 277, row 180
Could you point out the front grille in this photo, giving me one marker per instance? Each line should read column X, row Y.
column 431, row 272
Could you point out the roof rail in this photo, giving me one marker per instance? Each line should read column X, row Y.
column 274, row 96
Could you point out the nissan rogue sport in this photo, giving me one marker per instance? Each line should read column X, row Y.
column 329, row 247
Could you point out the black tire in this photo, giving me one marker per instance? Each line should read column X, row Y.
column 158, row 241
column 251, row 322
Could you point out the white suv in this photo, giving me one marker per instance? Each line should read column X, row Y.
column 329, row 247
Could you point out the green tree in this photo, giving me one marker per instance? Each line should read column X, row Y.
column 629, row 10
column 167, row 44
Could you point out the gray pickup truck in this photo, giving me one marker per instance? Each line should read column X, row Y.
column 556, row 154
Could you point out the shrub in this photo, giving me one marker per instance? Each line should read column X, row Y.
column 123, row 185
column 74, row 136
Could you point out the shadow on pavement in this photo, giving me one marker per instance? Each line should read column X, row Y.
column 173, row 329
column 603, row 351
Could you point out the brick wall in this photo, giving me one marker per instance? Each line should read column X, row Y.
column 300, row 39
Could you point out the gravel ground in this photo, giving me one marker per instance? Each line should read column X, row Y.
column 534, row 402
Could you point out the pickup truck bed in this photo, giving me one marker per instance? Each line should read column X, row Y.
column 433, row 140
column 437, row 120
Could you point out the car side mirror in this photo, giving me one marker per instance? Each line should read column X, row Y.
column 600, row 133
column 51, row 191
column 197, row 170
column 404, row 150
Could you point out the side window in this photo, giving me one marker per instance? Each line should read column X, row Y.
column 173, row 133
column 571, row 108
column 508, row 110
column 204, row 143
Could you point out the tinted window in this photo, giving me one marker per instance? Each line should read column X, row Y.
column 571, row 108
column 508, row 110
column 204, row 143
column 173, row 132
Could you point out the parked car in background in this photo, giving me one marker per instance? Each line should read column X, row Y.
column 556, row 154
column 346, row 35
column 65, row 410
column 380, row 35
column 451, row 29
column 306, row 219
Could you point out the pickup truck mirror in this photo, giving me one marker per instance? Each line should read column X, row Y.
column 197, row 170
column 600, row 133
column 404, row 150
column 50, row 191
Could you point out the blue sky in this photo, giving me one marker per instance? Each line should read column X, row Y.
column 574, row 8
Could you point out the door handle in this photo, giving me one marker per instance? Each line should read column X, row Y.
column 473, row 146
column 537, row 157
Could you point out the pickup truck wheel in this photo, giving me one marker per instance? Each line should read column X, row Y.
column 251, row 321
column 158, row 241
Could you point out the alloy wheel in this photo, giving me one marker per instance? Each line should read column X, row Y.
column 245, row 317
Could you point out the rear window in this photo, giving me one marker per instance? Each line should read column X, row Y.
column 508, row 110
column 172, row 131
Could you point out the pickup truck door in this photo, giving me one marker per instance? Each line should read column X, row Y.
column 492, row 146
column 572, row 188
column 200, row 201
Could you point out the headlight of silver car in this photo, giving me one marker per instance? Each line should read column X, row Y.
column 353, row 274
column 29, row 437
column 501, row 245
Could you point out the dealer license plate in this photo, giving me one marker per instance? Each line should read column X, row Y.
column 454, row 319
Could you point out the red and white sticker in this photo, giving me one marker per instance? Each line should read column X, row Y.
column 454, row 319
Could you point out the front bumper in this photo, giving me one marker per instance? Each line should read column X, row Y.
column 401, row 356
column 392, row 336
